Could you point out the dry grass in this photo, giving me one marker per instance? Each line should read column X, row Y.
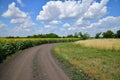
column 99, row 63
column 105, row 44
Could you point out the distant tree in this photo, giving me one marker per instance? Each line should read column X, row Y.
column 98, row 35
column 10, row 37
column 70, row 36
column 17, row 37
column 35, row 36
column 76, row 35
column 64, row 37
column 108, row 34
column 80, row 35
column 52, row 35
column 85, row 36
column 28, row 36
column 118, row 34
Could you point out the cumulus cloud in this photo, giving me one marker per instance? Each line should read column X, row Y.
column 55, row 22
column 3, row 29
column 59, row 10
column 49, row 27
column 2, row 24
column 72, row 28
column 72, row 9
column 14, row 12
column 96, row 10
column 84, row 14
column 66, row 25
column 18, row 17
column 70, row 16
column 50, row 11
column 108, row 23
column 104, row 24
column 82, row 22
column 20, row 2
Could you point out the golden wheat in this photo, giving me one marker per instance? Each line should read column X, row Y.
column 106, row 44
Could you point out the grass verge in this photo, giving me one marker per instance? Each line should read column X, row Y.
column 84, row 63
column 75, row 73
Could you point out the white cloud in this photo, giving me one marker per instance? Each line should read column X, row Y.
column 63, row 10
column 20, row 2
column 55, row 22
column 82, row 14
column 18, row 17
column 82, row 22
column 108, row 23
column 66, row 25
column 19, row 31
column 49, row 27
column 14, row 12
column 102, row 25
column 2, row 24
column 96, row 10
column 72, row 28
column 50, row 11
column 72, row 9
column 70, row 15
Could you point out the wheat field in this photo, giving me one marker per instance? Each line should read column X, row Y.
column 105, row 44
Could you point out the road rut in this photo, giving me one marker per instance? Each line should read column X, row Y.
column 35, row 63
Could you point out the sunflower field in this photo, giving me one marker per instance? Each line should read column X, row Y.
column 9, row 46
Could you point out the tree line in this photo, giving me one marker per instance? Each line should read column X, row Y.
column 107, row 34
column 50, row 35
column 53, row 35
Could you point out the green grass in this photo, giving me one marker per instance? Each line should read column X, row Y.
column 89, row 63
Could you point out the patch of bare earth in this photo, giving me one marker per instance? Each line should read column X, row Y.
column 35, row 63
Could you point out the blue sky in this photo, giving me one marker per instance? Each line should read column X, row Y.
column 63, row 17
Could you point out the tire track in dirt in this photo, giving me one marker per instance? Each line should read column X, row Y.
column 35, row 63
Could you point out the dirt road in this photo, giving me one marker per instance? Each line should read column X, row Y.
column 35, row 63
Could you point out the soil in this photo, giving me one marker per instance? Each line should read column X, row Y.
column 36, row 63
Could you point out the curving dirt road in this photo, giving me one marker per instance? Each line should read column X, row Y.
column 35, row 63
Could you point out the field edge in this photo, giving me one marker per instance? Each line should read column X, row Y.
column 72, row 71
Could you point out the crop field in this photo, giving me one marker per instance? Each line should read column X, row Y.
column 91, row 59
column 104, row 44
column 9, row 46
